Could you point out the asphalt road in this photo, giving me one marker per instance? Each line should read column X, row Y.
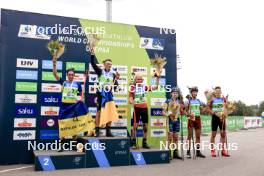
column 248, row 160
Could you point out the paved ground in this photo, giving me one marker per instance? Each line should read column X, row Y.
column 248, row 160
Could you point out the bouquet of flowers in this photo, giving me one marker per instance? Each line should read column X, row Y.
column 56, row 48
column 158, row 63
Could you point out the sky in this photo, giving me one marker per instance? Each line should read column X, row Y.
column 220, row 43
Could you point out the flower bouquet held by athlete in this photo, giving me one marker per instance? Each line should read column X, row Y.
column 173, row 111
column 137, row 97
column 193, row 108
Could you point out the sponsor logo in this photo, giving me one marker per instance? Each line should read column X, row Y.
column 122, row 80
column 93, row 78
column 78, row 77
column 26, row 86
column 49, row 134
column 153, row 71
column 158, row 122
column 33, row 31
column 48, row 76
column 92, row 110
column 156, row 112
column 25, row 74
column 77, row 160
column 78, row 66
column 121, row 90
column 91, row 67
column 162, row 81
column 122, row 69
column 24, row 135
column 152, row 43
column 49, row 111
column 24, row 122
column 140, row 70
column 48, row 123
column 27, row 63
column 158, row 101
column 47, row 87
column 119, row 123
column 122, row 112
column 119, row 133
column 50, row 98
column 92, row 89
column 121, row 100
column 47, row 64
column 158, row 132
column 25, row 111
column 163, row 156
column 26, row 98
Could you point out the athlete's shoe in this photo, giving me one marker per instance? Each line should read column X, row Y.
column 133, row 142
column 97, row 132
column 145, row 145
column 199, row 154
column 175, row 155
column 225, row 154
column 213, row 153
column 189, row 154
column 108, row 132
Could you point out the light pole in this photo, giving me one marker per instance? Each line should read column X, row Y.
column 108, row 10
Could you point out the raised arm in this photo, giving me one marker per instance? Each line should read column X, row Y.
column 97, row 69
column 55, row 73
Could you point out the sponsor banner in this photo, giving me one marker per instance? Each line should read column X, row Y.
column 48, row 134
column 140, row 70
column 122, row 80
column 77, row 77
column 119, row 123
column 162, row 81
column 91, row 68
column 48, row 87
column 25, row 122
column 122, row 112
column 121, row 91
column 157, row 101
column 92, row 89
column 158, row 133
column 156, row 111
column 26, row 111
column 161, row 92
column 27, row 63
column 121, row 100
column 119, row 132
column 152, row 43
column 158, row 122
column 49, row 110
column 48, row 65
column 139, row 132
column 93, row 78
column 78, row 66
column 26, row 98
column 50, row 98
column 48, row 76
column 122, row 69
column 26, row 86
column 153, row 71
column 24, row 135
column 49, row 123
column 26, row 74
column 33, row 32
column 92, row 110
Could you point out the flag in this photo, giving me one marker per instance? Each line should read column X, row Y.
column 75, row 119
column 108, row 108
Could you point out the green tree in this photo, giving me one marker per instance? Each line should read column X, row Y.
column 261, row 108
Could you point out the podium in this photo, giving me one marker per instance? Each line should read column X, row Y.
column 99, row 152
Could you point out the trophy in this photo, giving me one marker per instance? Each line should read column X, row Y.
column 174, row 107
column 158, row 63
column 93, row 40
column 56, row 49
